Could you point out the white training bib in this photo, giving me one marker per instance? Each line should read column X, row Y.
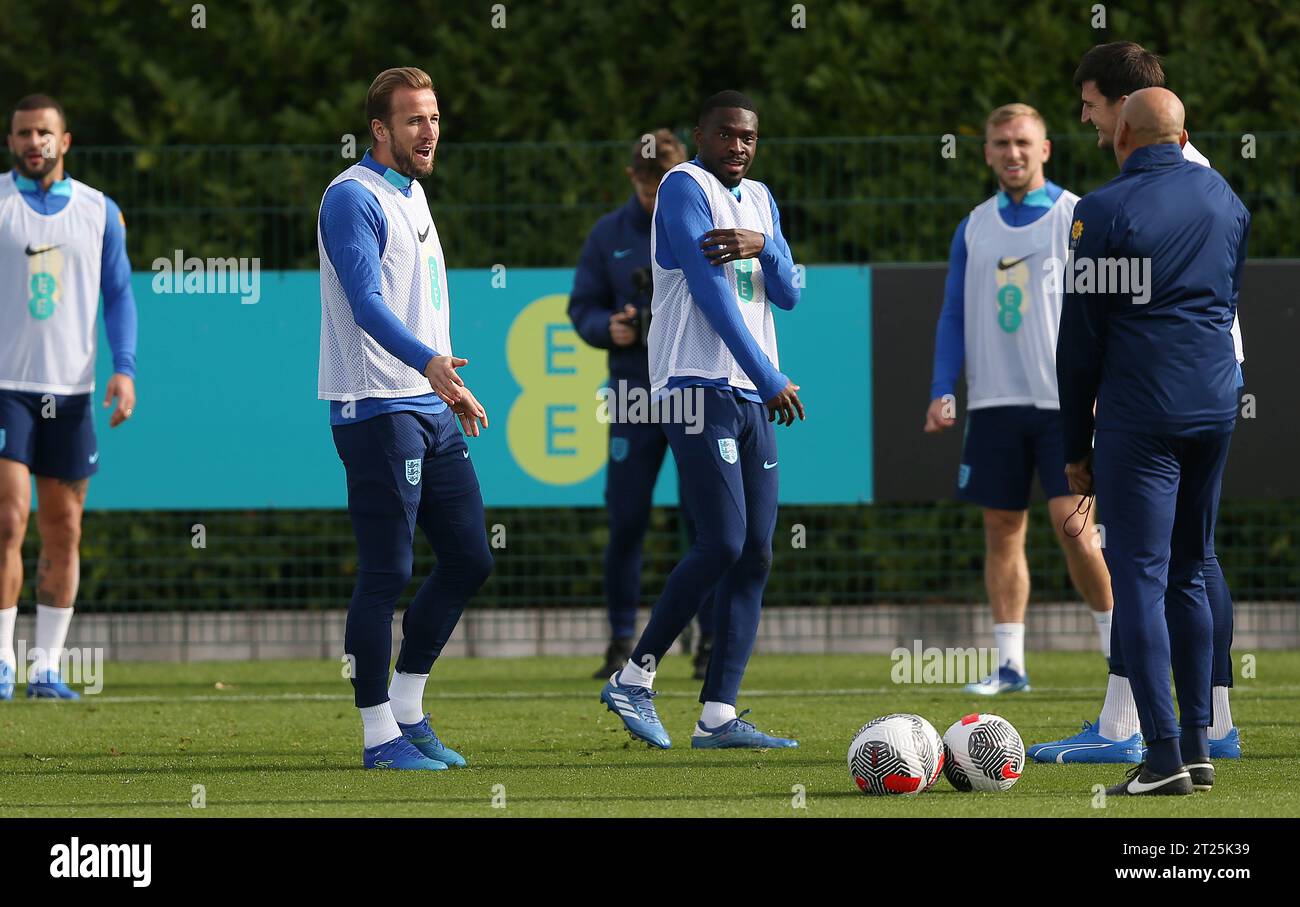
column 1191, row 154
column 1012, row 316
column 413, row 280
column 49, row 291
column 681, row 342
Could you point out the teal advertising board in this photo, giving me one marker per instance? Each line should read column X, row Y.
column 227, row 415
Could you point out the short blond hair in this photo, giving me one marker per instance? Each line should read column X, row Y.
column 379, row 99
column 1008, row 112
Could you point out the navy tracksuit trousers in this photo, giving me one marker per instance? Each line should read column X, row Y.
column 1159, row 495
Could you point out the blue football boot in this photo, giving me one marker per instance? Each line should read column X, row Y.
column 6, row 681
column 399, row 753
column 1089, row 746
column 635, row 705
column 422, row 737
column 1007, row 680
column 48, row 686
column 1226, row 747
column 737, row 734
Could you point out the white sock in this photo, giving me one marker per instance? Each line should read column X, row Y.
column 1222, row 714
column 379, row 724
column 1010, row 641
column 633, row 676
column 715, row 714
column 8, row 616
column 1119, row 713
column 51, row 633
column 406, row 694
column 1103, row 631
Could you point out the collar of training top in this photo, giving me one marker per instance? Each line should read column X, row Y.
column 388, row 173
column 1149, row 156
column 1039, row 198
column 59, row 187
column 734, row 191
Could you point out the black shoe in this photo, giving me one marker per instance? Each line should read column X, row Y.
column 1202, row 774
column 1141, row 781
column 616, row 656
column 702, row 653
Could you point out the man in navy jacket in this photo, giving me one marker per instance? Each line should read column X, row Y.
column 1150, row 297
column 610, row 309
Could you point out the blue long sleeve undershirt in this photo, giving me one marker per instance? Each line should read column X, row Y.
column 682, row 218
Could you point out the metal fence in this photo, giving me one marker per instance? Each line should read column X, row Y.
column 299, row 567
column 893, row 199
column 855, row 199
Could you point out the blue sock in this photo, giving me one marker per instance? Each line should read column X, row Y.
column 1195, row 745
column 1164, row 757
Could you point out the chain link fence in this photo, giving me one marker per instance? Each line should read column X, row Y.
column 276, row 581
column 860, row 200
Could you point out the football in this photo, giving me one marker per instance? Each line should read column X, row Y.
column 896, row 754
column 984, row 753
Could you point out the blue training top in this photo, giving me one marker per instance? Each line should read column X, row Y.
column 1164, row 364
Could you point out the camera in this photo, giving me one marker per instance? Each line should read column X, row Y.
column 643, row 284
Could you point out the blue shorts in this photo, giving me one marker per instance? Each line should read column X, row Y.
column 1002, row 448
column 53, row 435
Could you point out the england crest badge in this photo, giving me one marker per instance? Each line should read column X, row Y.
column 413, row 469
column 727, row 449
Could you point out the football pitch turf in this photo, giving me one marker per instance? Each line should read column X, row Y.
column 282, row 739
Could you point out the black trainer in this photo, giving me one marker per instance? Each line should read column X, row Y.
column 1141, row 781
column 616, row 655
column 702, row 652
column 1202, row 774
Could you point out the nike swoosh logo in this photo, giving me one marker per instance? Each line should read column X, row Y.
column 426, row 232
column 465, row 453
column 1003, row 264
column 39, row 249
column 767, row 465
column 622, row 253
column 94, row 458
column 1137, row 787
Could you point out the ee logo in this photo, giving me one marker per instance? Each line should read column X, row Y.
column 45, row 268
column 1012, row 296
column 552, row 428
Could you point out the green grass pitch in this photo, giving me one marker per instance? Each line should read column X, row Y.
column 282, row 739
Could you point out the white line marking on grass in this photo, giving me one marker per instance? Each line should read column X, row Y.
column 553, row 694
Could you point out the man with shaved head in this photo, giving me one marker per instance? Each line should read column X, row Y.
column 1107, row 75
column 1150, row 297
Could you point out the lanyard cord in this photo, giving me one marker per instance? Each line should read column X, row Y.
column 1083, row 508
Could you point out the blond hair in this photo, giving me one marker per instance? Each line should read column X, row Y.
column 379, row 99
column 1008, row 112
